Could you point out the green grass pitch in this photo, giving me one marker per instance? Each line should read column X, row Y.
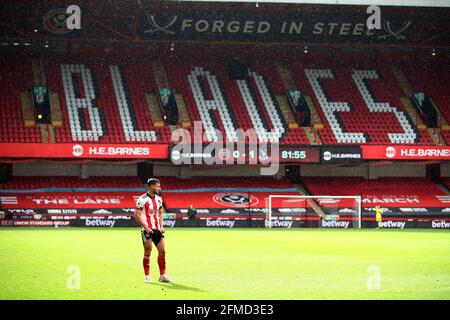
column 227, row 264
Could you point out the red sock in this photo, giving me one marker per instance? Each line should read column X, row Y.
column 162, row 265
column 146, row 264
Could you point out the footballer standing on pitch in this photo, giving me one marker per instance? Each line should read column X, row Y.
column 379, row 216
column 149, row 215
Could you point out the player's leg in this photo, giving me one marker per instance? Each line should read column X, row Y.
column 162, row 261
column 380, row 224
column 146, row 260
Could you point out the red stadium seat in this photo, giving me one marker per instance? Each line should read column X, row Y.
column 139, row 80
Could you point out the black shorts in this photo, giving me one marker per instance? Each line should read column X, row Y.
column 156, row 236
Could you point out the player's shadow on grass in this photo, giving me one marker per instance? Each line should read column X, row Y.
column 178, row 286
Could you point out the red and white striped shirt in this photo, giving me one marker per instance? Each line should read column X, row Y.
column 150, row 210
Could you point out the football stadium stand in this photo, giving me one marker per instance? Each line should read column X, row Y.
column 446, row 181
column 340, row 104
column 356, row 186
column 15, row 78
column 395, row 194
column 115, row 194
column 104, row 100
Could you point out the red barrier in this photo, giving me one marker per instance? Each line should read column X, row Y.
column 405, row 152
column 221, row 200
column 72, row 150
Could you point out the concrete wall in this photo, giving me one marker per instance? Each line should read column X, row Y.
column 368, row 172
column 95, row 169
column 165, row 171
column 445, row 169
column 324, row 171
column 397, row 170
column 101, row 169
column 45, row 169
column 80, row 170
column 211, row 171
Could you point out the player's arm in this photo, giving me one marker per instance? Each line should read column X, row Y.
column 139, row 220
column 161, row 218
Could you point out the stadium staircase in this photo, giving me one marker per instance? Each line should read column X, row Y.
column 433, row 132
column 179, row 85
column 272, row 76
column 433, row 80
column 443, row 132
column 317, row 209
column 47, row 133
column 302, row 83
column 27, row 108
column 182, row 110
column 162, row 81
column 401, row 78
column 56, row 114
column 286, row 111
column 417, row 120
column 444, row 185
column 137, row 79
column 446, row 135
column 442, row 120
column 313, row 132
column 310, row 135
column 160, row 74
column 436, row 136
column 26, row 96
column 288, row 83
column 316, row 121
column 40, row 79
column 155, row 111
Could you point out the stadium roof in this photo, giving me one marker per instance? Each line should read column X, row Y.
column 407, row 3
column 198, row 23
